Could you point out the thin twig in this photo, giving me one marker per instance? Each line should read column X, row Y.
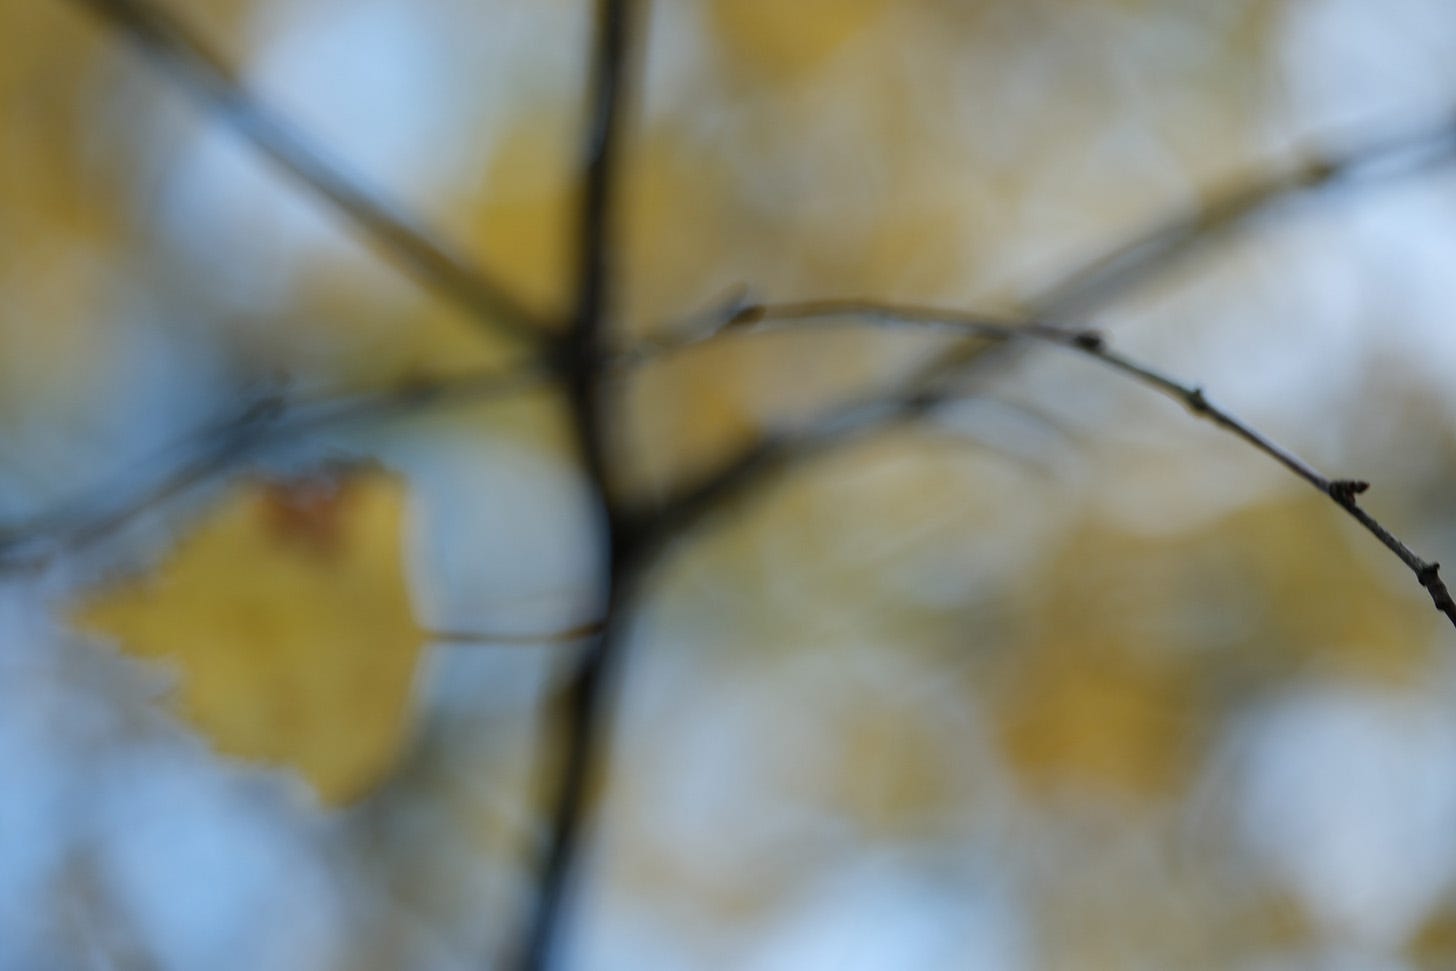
column 196, row 66
column 260, row 426
column 271, row 421
column 566, row 635
column 581, row 719
column 1239, row 204
column 771, row 455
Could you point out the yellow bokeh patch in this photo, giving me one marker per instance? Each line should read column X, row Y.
column 781, row 40
column 1090, row 716
column 525, row 219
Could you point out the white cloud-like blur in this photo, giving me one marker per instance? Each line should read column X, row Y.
column 1349, row 796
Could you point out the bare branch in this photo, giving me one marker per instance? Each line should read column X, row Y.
column 566, row 635
column 1103, row 279
column 772, row 455
column 587, row 344
column 1238, row 204
column 582, row 717
column 177, row 49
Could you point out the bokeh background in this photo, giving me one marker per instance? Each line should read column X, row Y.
column 1059, row 679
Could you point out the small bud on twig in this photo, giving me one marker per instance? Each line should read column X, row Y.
column 1344, row 491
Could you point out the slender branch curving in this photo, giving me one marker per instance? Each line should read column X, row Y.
column 1242, row 202
column 769, row 456
column 178, row 50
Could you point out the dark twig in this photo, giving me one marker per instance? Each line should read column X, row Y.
column 582, row 717
column 681, row 512
column 1098, row 282
column 566, row 635
column 1238, row 203
column 263, row 425
column 175, row 47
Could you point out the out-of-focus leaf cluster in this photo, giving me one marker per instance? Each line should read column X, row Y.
column 1056, row 679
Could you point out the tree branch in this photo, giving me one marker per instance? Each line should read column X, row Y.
column 178, row 50
column 1237, row 205
column 581, row 719
column 771, row 455
column 262, row 424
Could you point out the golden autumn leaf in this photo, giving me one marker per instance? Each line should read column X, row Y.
column 287, row 618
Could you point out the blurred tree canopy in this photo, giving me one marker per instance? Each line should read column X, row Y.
column 301, row 559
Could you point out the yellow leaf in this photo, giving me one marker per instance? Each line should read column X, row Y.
column 287, row 618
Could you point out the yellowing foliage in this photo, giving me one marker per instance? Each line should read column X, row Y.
column 785, row 40
column 1112, row 689
column 678, row 221
column 525, row 220
column 287, row 619
column 1085, row 716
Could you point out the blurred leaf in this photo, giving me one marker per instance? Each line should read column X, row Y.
column 1099, row 717
column 783, row 40
column 681, row 213
column 288, row 620
column 525, row 212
